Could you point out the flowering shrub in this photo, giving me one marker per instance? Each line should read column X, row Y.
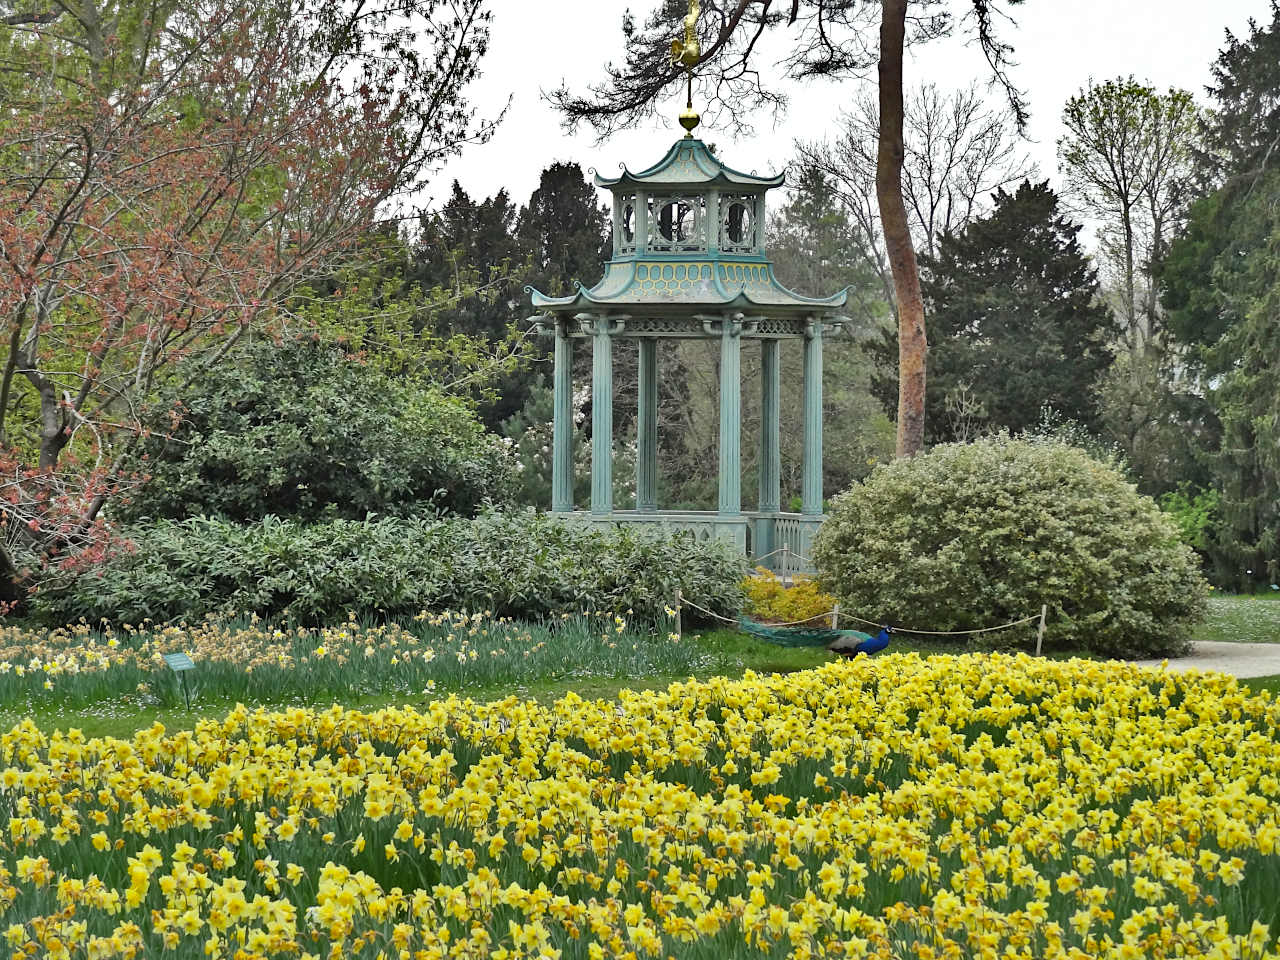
column 980, row 534
column 951, row 807
column 523, row 565
column 769, row 599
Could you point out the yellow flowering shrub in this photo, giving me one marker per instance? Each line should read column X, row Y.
column 899, row 807
column 770, row 599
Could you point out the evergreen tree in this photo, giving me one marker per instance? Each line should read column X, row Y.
column 564, row 230
column 499, row 249
column 465, row 241
column 1222, row 283
column 1014, row 321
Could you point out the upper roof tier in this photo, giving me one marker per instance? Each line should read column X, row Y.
column 688, row 164
column 689, row 239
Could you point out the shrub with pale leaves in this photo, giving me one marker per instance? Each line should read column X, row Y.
column 974, row 535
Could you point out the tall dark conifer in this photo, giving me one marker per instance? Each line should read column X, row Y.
column 1014, row 320
column 1222, row 282
column 564, row 230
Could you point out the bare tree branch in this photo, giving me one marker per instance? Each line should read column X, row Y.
column 31, row 18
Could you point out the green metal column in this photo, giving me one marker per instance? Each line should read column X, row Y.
column 731, row 417
column 770, row 431
column 642, row 221
column 811, row 483
column 601, row 417
column 562, row 423
column 647, row 428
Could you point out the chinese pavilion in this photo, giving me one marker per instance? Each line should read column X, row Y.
column 689, row 261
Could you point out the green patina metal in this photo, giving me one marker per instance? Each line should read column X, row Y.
column 689, row 261
column 689, row 237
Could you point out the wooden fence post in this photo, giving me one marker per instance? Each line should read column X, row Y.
column 835, row 617
column 1044, row 609
column 679, row 616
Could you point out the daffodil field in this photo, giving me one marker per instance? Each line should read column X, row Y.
column 970, row 806
column 255, row 662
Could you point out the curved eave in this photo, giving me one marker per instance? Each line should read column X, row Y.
column 638, row 181
column 786, row 297
column 540, row 299
column 739, row 299
column 713, row 172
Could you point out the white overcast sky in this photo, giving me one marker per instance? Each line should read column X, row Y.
column 537, row 44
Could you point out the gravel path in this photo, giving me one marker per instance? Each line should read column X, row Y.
column 1238, row 659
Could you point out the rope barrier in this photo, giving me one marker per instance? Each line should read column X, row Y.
column 785, row 550
column 788, row 553
column 873, row 623
column 710, row 613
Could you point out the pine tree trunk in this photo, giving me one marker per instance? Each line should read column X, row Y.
column 912, row 344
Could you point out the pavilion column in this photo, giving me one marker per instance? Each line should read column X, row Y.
column 770, row 431
column 730, row 416
column 562, row 423
column 602, row 330
column 811, row 482
column 647, row 428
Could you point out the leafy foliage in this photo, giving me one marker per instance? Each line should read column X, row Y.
column 1128, row 156
column 486, row 251
column 975, row 535
column 171, row 173
column 305, row 431
column 1014, row 321
column 564, row 229
column 1193, row 512
column 379, row 306
column 1244, row 131
column 520, row 565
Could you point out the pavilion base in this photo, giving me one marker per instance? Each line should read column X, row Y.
column 780, row 542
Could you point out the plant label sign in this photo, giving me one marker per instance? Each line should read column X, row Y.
column 178, row 662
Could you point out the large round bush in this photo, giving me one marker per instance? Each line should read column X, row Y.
column 978, row 534
column 304, row 431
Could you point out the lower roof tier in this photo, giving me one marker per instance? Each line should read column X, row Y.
column 701, row 327
column 682, row 285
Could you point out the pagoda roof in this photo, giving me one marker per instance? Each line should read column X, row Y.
column 688, row 285
column 689, row 163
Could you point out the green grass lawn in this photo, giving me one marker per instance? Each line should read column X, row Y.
column 1259, row 684
column 1242, row 618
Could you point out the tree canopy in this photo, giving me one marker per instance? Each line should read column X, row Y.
column 1014, row 320
column 173, row 174
column 1222, row 291
column 304, row 431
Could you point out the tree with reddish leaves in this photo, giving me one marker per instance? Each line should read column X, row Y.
column 830, row 38
column 169, row 175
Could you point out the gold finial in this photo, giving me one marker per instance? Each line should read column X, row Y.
column 686, row 54
column 689, row 119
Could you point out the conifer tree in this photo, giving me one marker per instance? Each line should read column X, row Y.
column 1014, row 320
